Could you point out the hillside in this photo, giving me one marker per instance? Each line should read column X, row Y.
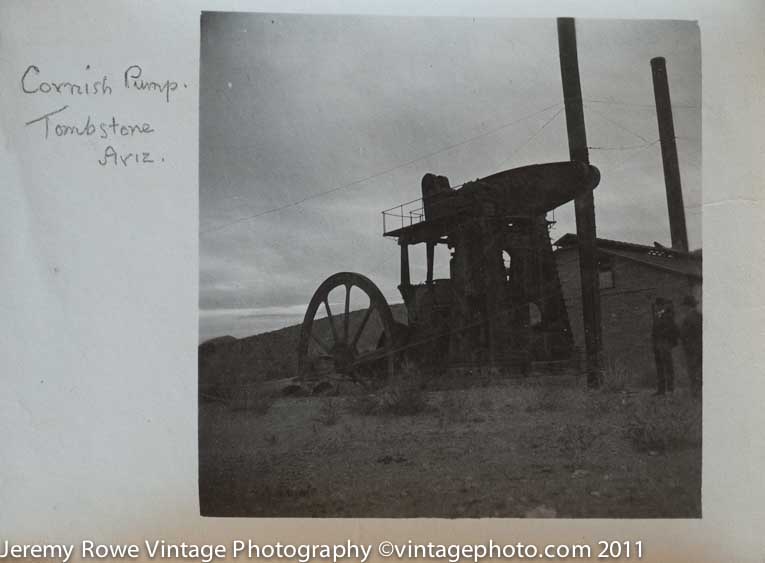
column 271, row 355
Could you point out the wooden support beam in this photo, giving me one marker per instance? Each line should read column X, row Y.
column 431, row 247
column 584, row 205
column 677, row 228
column 405, row 279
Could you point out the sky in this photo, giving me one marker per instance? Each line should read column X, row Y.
column 310, row 126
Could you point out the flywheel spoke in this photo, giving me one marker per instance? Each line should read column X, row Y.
column 362, row 325
column 330, row 318
column 368, row 357
column 347, row 317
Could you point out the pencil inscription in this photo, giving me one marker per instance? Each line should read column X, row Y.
column 66, row 124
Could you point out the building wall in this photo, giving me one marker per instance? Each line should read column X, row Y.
column 626, row 313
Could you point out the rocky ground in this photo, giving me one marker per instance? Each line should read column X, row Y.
column 503, row 449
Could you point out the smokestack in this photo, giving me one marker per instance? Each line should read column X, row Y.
column 675, row 207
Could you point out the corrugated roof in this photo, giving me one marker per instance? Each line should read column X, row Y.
column 657, row 256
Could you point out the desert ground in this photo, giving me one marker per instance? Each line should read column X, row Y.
column 478, row 447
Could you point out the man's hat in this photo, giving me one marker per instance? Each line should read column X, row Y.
column 690, row 301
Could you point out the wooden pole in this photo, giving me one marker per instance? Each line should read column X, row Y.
column 584, row 205
column 405, row 279
column 430, row 249
column 675, row 208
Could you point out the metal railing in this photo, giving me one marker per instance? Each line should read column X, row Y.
column 403, row 215
column 407, row 214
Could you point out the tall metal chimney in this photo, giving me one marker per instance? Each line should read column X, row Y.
column 675, row 207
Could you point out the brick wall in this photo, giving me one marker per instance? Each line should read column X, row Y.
column 626, row 313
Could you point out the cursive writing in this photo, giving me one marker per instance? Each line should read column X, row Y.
column 66, row 124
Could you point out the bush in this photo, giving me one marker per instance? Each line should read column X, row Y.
column 454, row 408
column 364, row 405
column 616, row 377
column 249, row 398
column 575, row 440
column 402, row 395
column 402, row 398
column 663, row 425
column 599, row 403
column 548, row 397
column 329, row 412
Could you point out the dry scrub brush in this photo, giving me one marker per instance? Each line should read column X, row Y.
column 575, row 441
column 550, row 397
column 329, row 412
column 616, row 377
column 665, row 424
column 403, row 395
column 250, row 398
column 454, row 408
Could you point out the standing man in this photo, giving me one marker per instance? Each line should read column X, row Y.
column 690, row 337
column 664, row 339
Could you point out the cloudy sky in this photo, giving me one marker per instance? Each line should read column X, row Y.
column 310, row 126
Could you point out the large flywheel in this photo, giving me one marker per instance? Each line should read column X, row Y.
column 347, row 332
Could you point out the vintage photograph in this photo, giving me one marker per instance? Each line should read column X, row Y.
column 450, row 267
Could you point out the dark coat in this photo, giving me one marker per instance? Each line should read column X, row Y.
column 690, row 331
column 665, row 331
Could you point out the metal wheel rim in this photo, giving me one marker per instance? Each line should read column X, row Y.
column 346, row 341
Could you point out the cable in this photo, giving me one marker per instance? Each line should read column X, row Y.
column 620, row 126
column 528, row 141
column 648, row 106
column 624, row 147
column 378, row 174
